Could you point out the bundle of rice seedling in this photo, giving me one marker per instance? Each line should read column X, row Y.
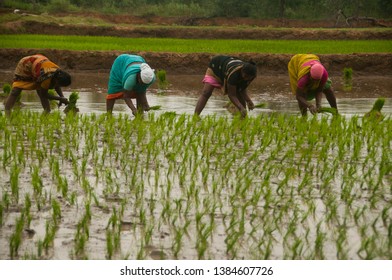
column 71, row 107
column 375, row 112
column 260, row 105
column 156, row 107
column 329, row 110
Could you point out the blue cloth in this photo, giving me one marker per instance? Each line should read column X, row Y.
column 123, row 75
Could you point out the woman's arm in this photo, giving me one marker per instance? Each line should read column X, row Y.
column 128, row 101
column 232, row 93
column 142, row 103
column 248, row 100
column 318, row 100
column 331, row 98
column 303, row 103
column 61, row 97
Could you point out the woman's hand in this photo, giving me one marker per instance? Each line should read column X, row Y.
column 64, row 101
column 313, row 109
column 250, row 104
column 146, row 107
column 243, row 113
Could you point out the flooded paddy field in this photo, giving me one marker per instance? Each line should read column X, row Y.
column 171, row 186
column 183, row 91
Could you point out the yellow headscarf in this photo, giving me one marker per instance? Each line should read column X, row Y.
column 297, row 71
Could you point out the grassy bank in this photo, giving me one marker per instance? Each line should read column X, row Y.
column 194, row 45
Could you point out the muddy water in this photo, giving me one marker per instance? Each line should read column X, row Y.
column 183, row 90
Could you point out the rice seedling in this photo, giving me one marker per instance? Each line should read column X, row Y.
column 331, row 111
column 162, row 81
column 53, row 103
column 375, row 112
column 347, row 79
column 192, row 45
column 155, row 108
column 71, row 107
column 47, row 242
column 267, row 187
column 1, row 214
column 14, row 181
column 6, row 91
column 26, row 210
column 16, row 237
column 56, row 212
column 260, row 105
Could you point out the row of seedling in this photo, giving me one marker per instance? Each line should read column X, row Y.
column 267, row 187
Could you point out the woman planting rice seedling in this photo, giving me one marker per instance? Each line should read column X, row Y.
column 308, row 79
column 37, row 72
column 231, row 75
column 130, row 77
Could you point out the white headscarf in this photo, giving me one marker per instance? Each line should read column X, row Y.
column 146, row 73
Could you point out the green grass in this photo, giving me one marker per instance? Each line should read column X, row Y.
column 194, row 45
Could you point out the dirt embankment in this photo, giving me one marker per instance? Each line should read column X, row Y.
column 196, row 63
column 208, row 32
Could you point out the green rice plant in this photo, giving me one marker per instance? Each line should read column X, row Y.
column 328, row 110
column 16, row 237
column 40, row 248
column 14, row 181
column 71, row 107
column 177, row 242
column 319, row 243
column 50, row 233
column 62, row 185
column 53, row 103
column 81, row 236
column 300, row 187
column 82, row 231
column 155, row 108
column 367, row 249
column 1, row 214
column 26, row 210
column 56, row 212
column 375, row 112
column 6, row 92
column 260, row 105
column 192, row 45
column 6, row 89
column 109, row 244
column 347, row 79
column 148, row 235
column 5, row 201
column 141, row 254
column 162, row 81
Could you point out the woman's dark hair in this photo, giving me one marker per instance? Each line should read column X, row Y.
column 250, row 68
column 63, row 78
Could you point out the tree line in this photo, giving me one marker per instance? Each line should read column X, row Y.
column 267, row 9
